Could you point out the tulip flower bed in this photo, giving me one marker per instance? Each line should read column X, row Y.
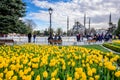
column 42, row 62
column 116, row 41
column 115, row 45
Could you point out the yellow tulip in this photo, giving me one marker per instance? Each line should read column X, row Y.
column 53, row 74
column 73, row 63
column 35, row 65
column 63, row 67
column 84, row 77
column 93, row 70
column 14, row 78
column 69, row 78
column 38, row 77
column 32, row 73
column 89, row 73
column 1, row 65
column 117, row 74
column 45, row 74
column 1, row 75
column 91, row 78
column 76, row 75
column 97, row 77
column 9, row 74
column 53, row 78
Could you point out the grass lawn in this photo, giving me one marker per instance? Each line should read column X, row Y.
column 98, row 47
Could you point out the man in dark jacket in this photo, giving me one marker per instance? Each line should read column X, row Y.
column 29, row 37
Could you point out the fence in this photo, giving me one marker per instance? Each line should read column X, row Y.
column 44, row 40
column 41, row 40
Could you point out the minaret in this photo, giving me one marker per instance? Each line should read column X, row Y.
column 85, row 20
column 89, row 25
column 110, row 18
column 85, row 23
column 67, row 25
column 110, row 22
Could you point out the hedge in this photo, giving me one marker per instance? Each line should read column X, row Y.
column 112, row 47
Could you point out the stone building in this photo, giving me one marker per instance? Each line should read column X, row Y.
column 78, row 28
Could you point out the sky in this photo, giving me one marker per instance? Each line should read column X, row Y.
column 97, row 10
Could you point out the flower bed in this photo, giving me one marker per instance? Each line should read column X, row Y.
column 116, row 41
column 115, row 45
column 112, row 47
column 36, row 62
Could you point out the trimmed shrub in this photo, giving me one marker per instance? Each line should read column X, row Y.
column 112, row 47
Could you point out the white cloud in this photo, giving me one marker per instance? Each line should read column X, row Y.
column 75, row 9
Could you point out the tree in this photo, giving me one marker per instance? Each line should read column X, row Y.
column 22, row 29
column 30, row 24
column 117, row 32
column 65, row 33
column 52, row 31
column 59, row 31
column 10, row 13
column 37, row 32
column 46, row 32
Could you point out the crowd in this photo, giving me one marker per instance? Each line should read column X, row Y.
column 79, row 37
column 98, row 37
column 55, row 39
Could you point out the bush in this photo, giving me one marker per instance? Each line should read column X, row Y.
column 112, row 47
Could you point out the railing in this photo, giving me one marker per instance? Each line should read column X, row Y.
column 41, row 40
column 44, row 40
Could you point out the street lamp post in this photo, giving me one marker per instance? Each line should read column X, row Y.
column 50, row 13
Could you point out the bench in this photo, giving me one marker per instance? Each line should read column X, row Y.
column 4, row 41
column 91, row 41
column 55, row 41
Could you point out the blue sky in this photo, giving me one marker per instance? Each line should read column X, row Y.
column 97, row 10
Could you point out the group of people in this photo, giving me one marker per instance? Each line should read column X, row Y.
column 79, row 37
column 97, row 37
column 30, row 37
column 101, row 37
column 55, row 39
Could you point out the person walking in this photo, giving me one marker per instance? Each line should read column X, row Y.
column 29, row 37
column 34, row 38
